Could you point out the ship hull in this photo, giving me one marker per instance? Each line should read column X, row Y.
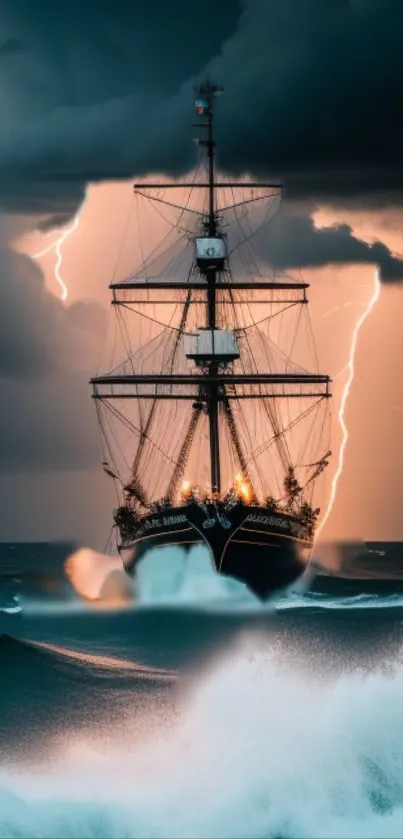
column 266, row 551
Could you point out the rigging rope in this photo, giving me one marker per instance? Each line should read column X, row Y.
column 184, row 453
column 235, row 439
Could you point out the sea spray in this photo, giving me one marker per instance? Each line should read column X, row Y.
column 94, row 575
column 167, row 575
column 253, row 750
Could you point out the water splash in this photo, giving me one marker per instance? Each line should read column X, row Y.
column 167, row 576
column 255, row 749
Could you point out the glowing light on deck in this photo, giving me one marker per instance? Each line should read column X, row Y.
column 186, row 488
column 242, row 488
column 351, row 371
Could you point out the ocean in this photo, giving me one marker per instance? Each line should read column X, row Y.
column 191, row 710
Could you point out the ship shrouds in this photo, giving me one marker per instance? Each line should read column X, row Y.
column 211, row 430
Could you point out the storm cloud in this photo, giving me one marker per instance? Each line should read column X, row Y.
column 39, row 336
column 292, row 241
column 104, row 90
column 95, row 82
column 47, row 351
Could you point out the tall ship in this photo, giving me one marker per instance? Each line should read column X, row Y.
column 212, row 432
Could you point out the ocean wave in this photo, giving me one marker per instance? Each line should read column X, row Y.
column 48, row 689
column 353, row 601
column 40, row 658
column 253, row 750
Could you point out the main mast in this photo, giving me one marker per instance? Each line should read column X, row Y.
column 204, row 105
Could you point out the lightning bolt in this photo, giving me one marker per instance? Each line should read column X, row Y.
column 351, row 370
column 56, row 247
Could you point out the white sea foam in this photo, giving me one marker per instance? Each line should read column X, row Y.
column 168, row 575
column 254, row 750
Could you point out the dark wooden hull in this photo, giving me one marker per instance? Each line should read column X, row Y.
column 266, row 551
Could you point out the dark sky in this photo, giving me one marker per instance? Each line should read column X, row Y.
column 313, row 92
column 96, row 90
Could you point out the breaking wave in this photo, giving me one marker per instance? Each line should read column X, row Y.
column 254, row 750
